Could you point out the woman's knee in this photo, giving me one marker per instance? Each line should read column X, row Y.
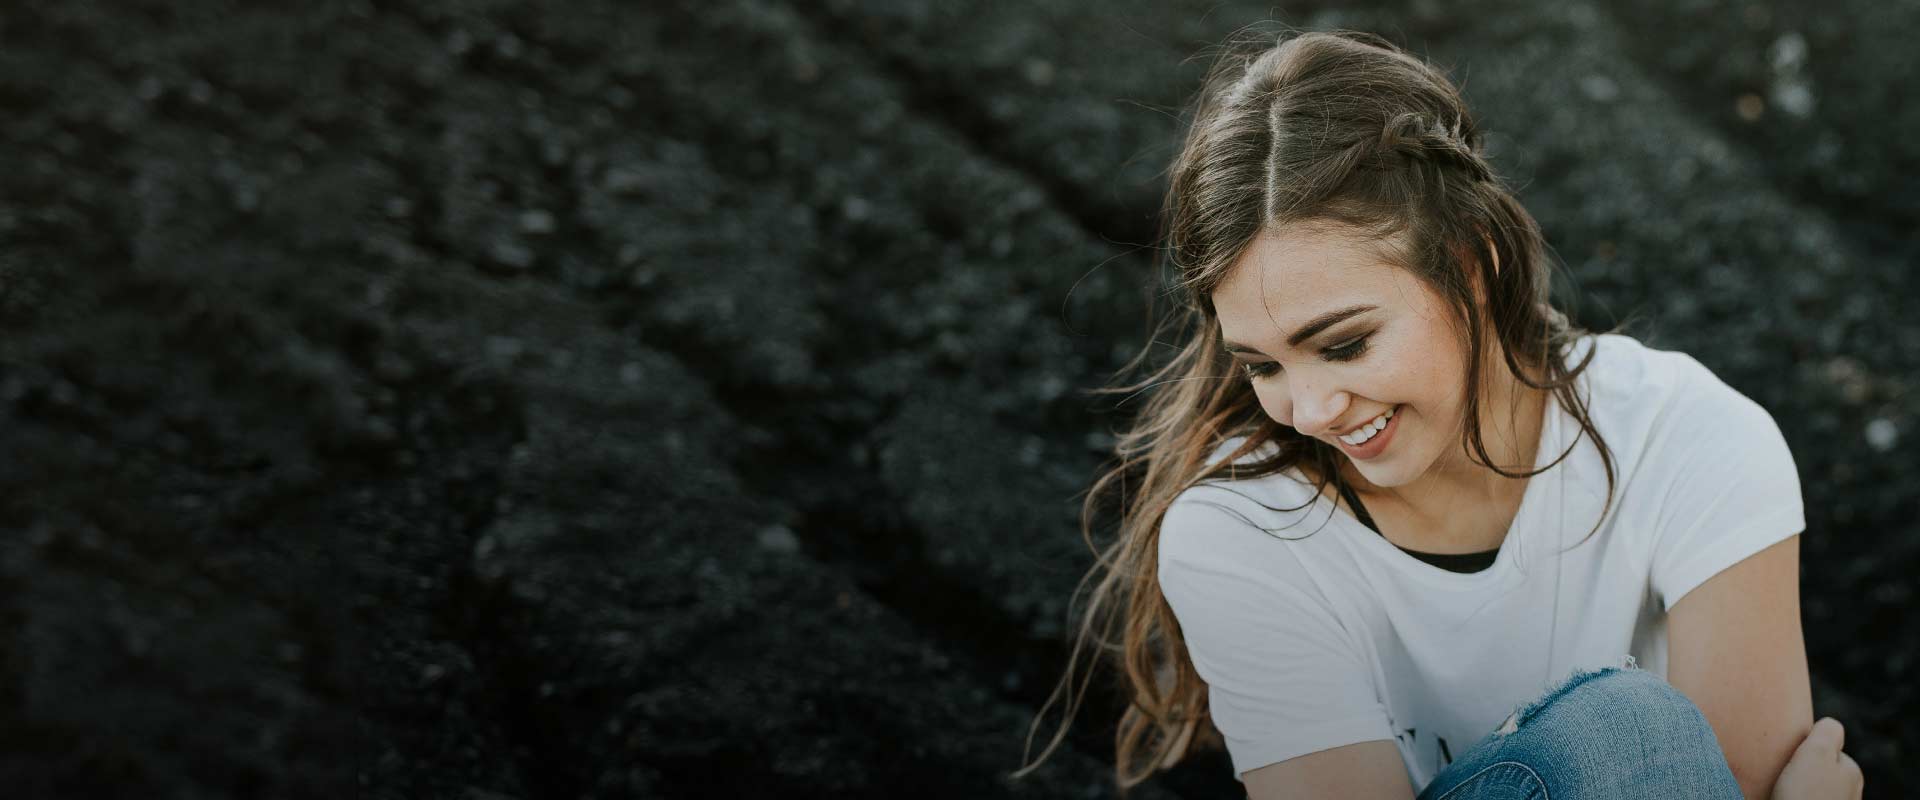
column 1614, row 732
column 1631, row 702
column 1607, row 715
column 1620, row 732
column 1604, row 733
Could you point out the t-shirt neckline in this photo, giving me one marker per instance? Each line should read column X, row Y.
column 1548, row 448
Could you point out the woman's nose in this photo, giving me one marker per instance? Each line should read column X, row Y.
column 1315, row 411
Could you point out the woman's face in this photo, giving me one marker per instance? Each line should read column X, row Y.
column 1330, row 336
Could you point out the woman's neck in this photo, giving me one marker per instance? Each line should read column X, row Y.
column 1511, row 426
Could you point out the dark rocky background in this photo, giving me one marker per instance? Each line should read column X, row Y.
column 482, row 400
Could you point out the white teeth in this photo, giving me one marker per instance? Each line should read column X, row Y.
column 1369, row 430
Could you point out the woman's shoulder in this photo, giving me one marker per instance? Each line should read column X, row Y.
column 1645, row 380
column 1664, row 410
column 1257, row 499
column 1241, row 468
column 1620, row 364
column 1231, row 521
column 1232, row 447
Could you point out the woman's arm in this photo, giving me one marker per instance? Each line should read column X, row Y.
column 1735, row 648
column 1372, row 770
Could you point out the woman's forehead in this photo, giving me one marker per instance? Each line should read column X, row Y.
column 1284, row 280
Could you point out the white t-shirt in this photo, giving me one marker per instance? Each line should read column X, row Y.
column 1313, row 631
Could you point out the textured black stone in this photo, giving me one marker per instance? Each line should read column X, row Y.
column 483, row 400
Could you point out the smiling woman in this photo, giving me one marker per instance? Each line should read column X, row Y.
column 1387, row 355
column 1369, row 357
column 1384, row 316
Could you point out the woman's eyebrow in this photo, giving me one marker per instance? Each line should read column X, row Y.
column 1309, row 330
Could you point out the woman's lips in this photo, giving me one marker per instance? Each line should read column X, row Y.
column 1376, row 445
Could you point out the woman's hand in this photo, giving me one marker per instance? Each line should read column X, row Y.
column 1818, row 770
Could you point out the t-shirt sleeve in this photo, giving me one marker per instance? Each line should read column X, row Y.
column 1731, row 488
column 1284, row 677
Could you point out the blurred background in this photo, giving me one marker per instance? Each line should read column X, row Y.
column 492, row 400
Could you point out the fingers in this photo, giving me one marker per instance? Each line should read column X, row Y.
column 1827, row 738
column 1823, row 746
column 1855, row 778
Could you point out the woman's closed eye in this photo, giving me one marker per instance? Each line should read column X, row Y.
column 1345, row 352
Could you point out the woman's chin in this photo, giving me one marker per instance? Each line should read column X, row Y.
column 1388, row 472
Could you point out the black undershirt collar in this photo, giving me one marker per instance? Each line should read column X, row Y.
column 1452, row 562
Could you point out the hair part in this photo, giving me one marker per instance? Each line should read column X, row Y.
column 1340, row 129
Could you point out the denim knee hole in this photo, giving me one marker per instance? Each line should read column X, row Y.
column 1527, row 710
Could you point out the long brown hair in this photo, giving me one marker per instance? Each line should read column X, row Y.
column 1335, row 127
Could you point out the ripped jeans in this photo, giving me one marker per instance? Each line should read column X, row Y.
column 1615, row 732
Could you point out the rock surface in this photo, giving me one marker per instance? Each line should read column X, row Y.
column 469, row 399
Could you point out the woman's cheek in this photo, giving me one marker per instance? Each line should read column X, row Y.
column 1275, row 401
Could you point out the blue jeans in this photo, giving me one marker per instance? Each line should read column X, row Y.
column 1615, row 732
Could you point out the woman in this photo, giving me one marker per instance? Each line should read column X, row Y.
column 1352, row 545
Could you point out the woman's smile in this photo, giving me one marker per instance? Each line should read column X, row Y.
column 1376, row 445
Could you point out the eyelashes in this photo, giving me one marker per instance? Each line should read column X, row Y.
column 1345, row 352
